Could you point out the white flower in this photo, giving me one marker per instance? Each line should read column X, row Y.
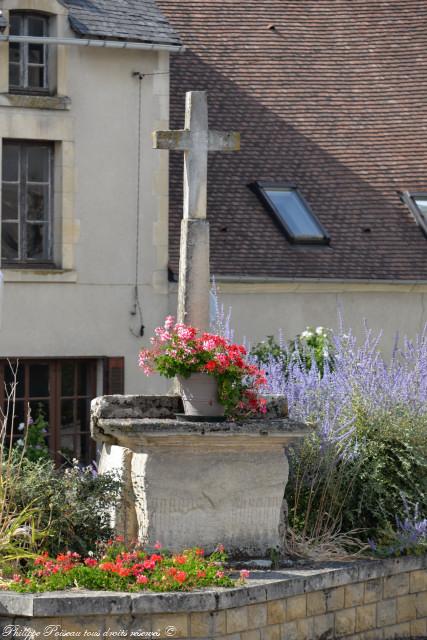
column 320, row 331
column 20, row 442
column 21, row 426
column 307, row 334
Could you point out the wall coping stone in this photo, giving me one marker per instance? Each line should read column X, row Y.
column 263, row 586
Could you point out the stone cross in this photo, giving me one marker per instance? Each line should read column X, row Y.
column 195, row 140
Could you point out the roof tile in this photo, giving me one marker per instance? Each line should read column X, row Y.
column 333, row 99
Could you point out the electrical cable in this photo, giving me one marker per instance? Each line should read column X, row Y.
column 137, row 309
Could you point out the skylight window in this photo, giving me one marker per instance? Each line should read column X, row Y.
column 292, row 212
column 417, row 203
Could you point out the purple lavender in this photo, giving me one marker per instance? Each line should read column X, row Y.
column 410, row 535
column 220, row 319
column 359, row 373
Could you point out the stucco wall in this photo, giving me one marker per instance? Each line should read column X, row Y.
column 261, row 309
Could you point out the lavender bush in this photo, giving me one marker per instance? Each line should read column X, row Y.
column 368, row 446
column 408, row 536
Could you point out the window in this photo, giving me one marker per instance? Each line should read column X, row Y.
column 292, row 212
column 62, row 390
column 28, row 60
column 27, row 180
column 417, row 203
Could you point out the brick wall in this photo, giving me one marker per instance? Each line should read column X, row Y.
column 363, row 601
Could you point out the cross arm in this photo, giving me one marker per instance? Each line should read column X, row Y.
column 224, row 141
column 173, row 140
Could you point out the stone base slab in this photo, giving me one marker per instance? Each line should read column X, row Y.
column 196, row 483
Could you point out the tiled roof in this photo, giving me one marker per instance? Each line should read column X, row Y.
column 136, row 20
column 332, row 99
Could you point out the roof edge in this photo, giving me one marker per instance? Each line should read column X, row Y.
column 79, row 27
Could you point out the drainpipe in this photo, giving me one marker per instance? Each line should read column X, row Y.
column 107, row 44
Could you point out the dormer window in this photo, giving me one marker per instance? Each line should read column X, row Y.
column 417, row 204
column 291, row 212
column 28, row 60
column 421, row 202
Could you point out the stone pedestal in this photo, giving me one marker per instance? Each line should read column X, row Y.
column 198, row 483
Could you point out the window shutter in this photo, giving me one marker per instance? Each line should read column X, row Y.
column 114, row 375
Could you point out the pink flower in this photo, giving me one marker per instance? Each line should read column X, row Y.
column 209, row 344
column 184, row 332
column 244, row 574
column 162, row 334
column 223, row 359
column 219, row 574
column 90, row 562
column 169, row 322
column 141, row 579
column 158, row 544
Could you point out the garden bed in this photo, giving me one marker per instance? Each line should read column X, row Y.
column 356, row 600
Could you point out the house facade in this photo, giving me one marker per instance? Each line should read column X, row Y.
column 323, row 210
column 84, row 207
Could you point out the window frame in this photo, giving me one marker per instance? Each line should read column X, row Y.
column 23, row 260
column 259, row 187
column 55, row 398
column 24, row 63
column 409, row 198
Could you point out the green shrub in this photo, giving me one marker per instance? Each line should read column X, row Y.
column 391, row 469
column 73, row 504
column 312, row 343
column 367, row 486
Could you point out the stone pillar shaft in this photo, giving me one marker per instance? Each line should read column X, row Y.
column 194, row 280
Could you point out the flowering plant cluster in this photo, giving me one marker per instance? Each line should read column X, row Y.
column 314, row 345
column 408, row 537
column 368, row 448
column 178, row 349
column 116, row 567
column 33, row 441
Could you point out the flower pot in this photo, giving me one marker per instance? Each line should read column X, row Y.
column 200, row 395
